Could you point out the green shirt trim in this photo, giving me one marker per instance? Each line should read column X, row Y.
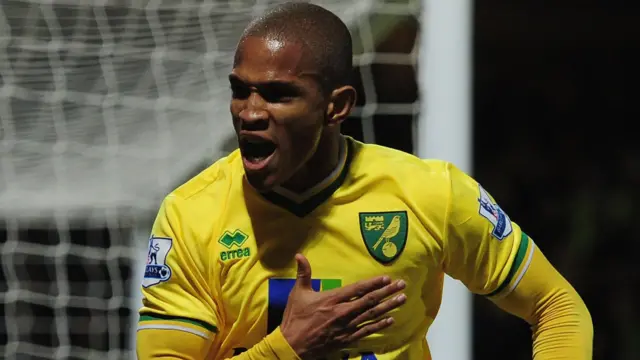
column 157, row 317
column 517, row 263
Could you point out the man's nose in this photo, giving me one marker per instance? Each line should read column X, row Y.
column 254, row 115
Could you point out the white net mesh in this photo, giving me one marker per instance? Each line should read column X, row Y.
column 104, row 107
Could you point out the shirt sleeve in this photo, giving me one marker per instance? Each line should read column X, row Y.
column 483, row 248
column 168, row 344
column 178, row 292
column 560, row 321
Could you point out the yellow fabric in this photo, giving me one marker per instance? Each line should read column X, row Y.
column 274, row 346
column 147, row 322
column 561, row 323
column 481, row 242
column 189, row 293
column 181, row 345
column 230, row 251
column 170, row 344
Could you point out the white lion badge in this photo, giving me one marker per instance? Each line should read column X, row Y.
column 156, row 270
column 492, row 212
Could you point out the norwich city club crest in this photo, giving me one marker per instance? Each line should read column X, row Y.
column 384, row 234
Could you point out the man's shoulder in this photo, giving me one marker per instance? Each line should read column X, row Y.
column 377, row 159
column 214, row 181
column 426, row 183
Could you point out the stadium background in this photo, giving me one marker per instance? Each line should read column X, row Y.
column 552, row 107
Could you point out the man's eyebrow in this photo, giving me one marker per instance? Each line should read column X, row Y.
column 234, row 79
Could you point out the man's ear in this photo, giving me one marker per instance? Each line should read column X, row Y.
column 341, row 101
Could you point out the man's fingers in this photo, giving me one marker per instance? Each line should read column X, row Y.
column 303, row 277
column 369, row 329
column 361, row 288
column 379, row 310
column 375, row 297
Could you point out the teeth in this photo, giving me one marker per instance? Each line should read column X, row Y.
column 255, row 159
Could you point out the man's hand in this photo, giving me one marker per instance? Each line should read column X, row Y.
column 316, row 323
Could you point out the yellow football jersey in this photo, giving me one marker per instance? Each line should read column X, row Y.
column 221, row 255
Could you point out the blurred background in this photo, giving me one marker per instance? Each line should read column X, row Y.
column 105, row 106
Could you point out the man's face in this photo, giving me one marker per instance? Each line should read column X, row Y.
column 278, row 109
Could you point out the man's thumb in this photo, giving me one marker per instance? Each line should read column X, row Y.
column 304, row 272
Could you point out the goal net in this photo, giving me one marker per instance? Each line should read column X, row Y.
column 105, row 106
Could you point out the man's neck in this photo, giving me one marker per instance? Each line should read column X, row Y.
column 325, row 160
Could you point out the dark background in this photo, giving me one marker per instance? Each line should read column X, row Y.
column 554, row 106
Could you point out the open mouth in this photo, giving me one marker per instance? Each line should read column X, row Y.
column 256, row 152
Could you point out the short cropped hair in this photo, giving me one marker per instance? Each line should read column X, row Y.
column 323, row 34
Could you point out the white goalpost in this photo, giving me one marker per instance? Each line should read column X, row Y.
column 444, row 132
column 106, row 105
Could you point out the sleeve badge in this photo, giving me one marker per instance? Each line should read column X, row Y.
column 156, row 269
column 496, row 216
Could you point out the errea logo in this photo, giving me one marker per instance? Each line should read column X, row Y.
column 234, row 241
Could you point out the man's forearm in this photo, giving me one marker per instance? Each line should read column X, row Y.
column 562, row 328
column 180, row 345
column 273, row 346
column 561, row 323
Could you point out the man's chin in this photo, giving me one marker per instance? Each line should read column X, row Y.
column 260, row 182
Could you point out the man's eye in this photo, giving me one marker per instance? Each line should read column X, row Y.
column 239, row 92
column 276, row 97
column 278, row 94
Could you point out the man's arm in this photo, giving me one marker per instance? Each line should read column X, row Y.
column 493, row 257
column 179, row 315
column 561, row 323
column 154, row 344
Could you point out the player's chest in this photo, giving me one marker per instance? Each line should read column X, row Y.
column 351, row 244
column 385, row 230
column 257, row 267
